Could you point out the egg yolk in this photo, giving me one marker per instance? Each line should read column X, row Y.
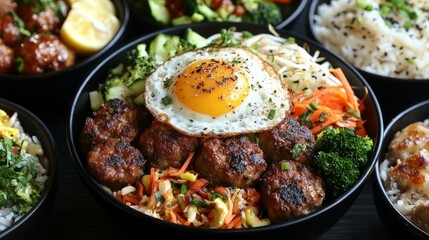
column 212, row 87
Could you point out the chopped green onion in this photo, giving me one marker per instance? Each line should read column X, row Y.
column 166, row 100
column 271, row 114
column 284, row 166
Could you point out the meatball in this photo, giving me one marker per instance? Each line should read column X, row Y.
column 9, row 30
column 163, row 146
column 412, row 138
column 288, row 140
column 44, row 21
column 116, row 163
column 42, row 53
column 114, row 119
column 235, row 161
column 296, row 190
column 6, row 58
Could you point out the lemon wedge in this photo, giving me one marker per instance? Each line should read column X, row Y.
column 87, row 29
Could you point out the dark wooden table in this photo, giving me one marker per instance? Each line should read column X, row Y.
column 76, row 215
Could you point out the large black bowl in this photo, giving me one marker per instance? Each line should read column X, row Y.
column 399, row 226
column 289, row 11
column 30, row 222
column 389, row 90
column 51, row 93
column 305, row 227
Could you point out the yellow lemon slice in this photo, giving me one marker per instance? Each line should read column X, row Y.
column 106, row 5
column 87, row 29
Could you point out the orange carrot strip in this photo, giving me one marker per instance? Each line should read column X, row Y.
column 197, row 184
column 350, row 94
column 128, row 199
column 184, row 166
column 234, row 222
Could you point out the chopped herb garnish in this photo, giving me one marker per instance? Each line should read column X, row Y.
column 284, row 166
column 271, row 114
column 296, row 151
column 166, row 100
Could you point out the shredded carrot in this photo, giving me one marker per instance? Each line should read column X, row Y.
column 198, row 184
column 184, row 166
column 140, row 189
column 330, row 106
column 234, row 223
column 127, row 199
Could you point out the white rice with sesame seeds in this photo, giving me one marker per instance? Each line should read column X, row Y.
column 33, row 155
column 375, row 40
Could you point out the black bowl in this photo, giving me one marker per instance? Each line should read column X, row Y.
column 289, row 11
column 27, row 225
column 51, row 93
column 399, row 226
column 391, row 100
column 306, row 227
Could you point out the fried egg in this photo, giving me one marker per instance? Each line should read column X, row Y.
column 217, row 91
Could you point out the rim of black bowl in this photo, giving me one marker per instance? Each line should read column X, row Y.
column 73, row 128
column 123, row 14
column 35, row 127
column 417, row 112
column 299, row 6
column 368, row 75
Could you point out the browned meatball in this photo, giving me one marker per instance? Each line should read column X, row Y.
column 235, row 161
column 42, row 53
column 114, row 119
column 163, row 146
column 291, row 192
column 116, row 163
column 44, row 21
column 6, row 58
column 7, row 6
column 288, row 140
column 9, row 30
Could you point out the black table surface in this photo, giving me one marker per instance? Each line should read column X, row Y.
column 76, row 214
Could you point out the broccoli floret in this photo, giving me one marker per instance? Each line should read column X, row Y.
column 340, row 156
column 262, row 12
column 346, row 143
column 121, row 80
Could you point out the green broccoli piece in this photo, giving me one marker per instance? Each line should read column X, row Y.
column 126, row 79
column 340, row 156
column 346, row 143
column 191, row 7
column 262, row 12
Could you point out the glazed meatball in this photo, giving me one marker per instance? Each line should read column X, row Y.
column 235, row 161
column 288, row 140
column 7, row 6
column 296, row 190
column 409, row 140
column 163, row 146
column 42, row 53
column 114, row 119
column 9, row 30
column 116, row 163
column 6, row 58
column 44, row 21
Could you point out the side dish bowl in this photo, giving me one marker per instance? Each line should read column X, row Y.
column 398, row 224
column 24, row 227
column 336, row 32
column 290, row 11
column 309, row 226
column 51, row 92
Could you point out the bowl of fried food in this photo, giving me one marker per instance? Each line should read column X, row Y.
column 213, row 130
column 163, row 14
column 384, row 39
column 28, row 167
column 47, row 46
column 401, row 174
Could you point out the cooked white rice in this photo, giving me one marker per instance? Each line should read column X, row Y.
column 7, row 215
column 364, row 39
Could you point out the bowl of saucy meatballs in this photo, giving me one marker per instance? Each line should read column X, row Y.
column 175, row 130
column 47, row 46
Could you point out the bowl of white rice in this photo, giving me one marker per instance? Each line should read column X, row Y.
column 28, row 169
column 401, row 183
column 385, row 40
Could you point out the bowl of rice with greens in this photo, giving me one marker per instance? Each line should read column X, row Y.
column 28, row 166
column 401, row 183
column 385, row 38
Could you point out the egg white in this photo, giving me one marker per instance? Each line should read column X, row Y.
column 267, row 94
